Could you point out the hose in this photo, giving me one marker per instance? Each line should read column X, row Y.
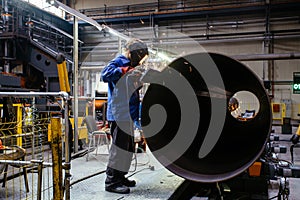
column 87, row 177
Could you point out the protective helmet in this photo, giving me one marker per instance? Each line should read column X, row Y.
column 138, row 50
column 233, row 104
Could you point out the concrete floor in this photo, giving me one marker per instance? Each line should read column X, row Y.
column 154, row 182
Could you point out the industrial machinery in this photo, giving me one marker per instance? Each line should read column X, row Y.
column 30, row 40
column 224, row 156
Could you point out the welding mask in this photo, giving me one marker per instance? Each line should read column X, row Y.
column 138, row 50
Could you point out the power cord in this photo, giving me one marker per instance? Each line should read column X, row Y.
column 139, row 164
column 151, row 167
column 87, row 177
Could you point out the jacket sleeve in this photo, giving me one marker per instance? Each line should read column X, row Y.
column 111, row 72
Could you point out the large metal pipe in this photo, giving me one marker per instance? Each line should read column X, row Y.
column 271, row 56
column 240, row 142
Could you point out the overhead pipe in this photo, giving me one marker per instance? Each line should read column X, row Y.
column 272, row 56
column 206, row 10
column 230, row 37
column 249, row 57
column 237, row 23
column 175, row 40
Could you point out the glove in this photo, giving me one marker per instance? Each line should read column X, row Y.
column 137, row 125
column 126, row 69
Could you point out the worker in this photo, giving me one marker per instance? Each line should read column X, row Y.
column 122, row 77
column 233, row 104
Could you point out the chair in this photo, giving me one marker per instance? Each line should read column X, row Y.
column 94, row 134
column 18, row 154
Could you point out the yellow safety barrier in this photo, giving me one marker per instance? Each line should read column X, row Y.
column 24, row 127
column 57, row 158
column 82, row 130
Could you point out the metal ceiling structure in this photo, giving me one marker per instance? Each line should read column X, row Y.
column 210, row 22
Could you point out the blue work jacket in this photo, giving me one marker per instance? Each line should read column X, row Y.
column 120, row 88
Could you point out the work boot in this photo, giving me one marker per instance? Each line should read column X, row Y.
column 129, row 183
column 118, row 188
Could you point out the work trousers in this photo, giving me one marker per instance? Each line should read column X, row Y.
column 121, row 152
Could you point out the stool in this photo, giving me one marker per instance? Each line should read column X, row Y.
column 18, row 155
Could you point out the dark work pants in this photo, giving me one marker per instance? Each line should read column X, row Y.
column 121, row 152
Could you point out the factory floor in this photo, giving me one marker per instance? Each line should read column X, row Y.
column 154, row 182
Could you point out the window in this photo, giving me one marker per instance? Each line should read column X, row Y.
column 43, row 4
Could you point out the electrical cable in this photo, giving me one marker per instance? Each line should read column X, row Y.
column 79, row 154
column 131, row 126
column 146, row 163
column 273, row 197
column 87, row 177
column 135, row 159
column 149, row 167
column 131, row 122
column 101, row 172
column 139, row 164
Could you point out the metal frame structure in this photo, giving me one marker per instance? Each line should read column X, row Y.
column 56, row 143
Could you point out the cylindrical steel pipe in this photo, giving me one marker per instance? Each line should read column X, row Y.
column 240, row 142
